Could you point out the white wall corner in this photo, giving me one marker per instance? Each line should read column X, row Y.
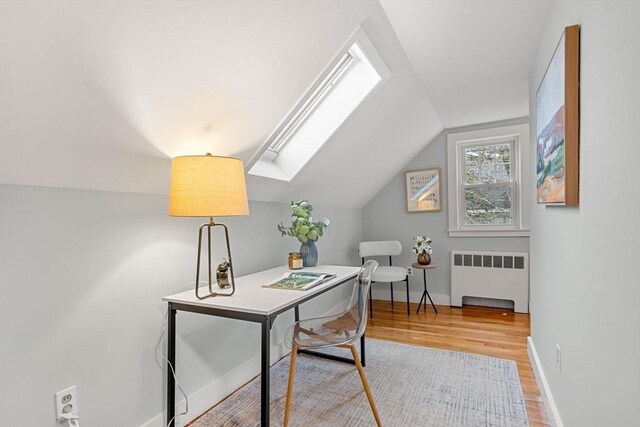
column 553, row 415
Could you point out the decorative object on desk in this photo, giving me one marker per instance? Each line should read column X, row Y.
column 300, row 281
column 309, row 252
column 422, row 247
column 222, row 274
column 295, row 260
column 208, row 186
column 423, row 190
column 305, row 230
column 558, row 124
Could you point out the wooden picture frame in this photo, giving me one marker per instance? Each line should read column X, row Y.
column 558, row 124
column 423, row 190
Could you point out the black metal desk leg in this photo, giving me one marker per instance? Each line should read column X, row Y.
column 363, row 361
column 171, row 357
column 265, row 376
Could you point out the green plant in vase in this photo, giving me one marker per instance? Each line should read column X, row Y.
column 305, row 230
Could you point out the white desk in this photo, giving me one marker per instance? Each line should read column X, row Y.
column 251, row 303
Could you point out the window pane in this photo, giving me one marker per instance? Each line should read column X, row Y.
column 488, row 205
column 502, row 173
column 502, row 153
column 487, row 174
column 471, row 156
column 488, row 164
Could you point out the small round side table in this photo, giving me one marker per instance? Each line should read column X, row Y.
column 425, row 294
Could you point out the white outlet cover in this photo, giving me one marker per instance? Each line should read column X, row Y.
column 65, row 397
column 409, row 270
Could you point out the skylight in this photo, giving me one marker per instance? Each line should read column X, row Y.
column 342, row 67
column 344, row 85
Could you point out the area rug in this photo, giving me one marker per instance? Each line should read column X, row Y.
column 412, row 386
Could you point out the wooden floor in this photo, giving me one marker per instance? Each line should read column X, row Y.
column 489, row 331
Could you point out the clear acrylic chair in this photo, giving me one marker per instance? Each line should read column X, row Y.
column 342, row 330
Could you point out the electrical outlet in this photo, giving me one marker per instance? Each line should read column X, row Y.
column 558, row 358
column 66, row 401
column 409, row 270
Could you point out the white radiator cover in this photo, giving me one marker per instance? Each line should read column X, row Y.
column 488, row 274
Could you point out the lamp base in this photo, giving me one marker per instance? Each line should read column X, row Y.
column 232, row 281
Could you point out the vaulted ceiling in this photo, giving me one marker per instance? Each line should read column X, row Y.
column 100, row 95
column 472, row 57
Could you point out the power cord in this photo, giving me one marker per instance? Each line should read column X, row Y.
column 69, row 417
column 173, row 371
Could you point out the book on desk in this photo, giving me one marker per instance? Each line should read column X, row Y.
column 300, row 281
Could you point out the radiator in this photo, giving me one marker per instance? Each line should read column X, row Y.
column 499, row 275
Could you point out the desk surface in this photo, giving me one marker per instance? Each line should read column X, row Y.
column 251, row 297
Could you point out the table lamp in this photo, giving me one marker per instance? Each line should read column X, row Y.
column 208, row 186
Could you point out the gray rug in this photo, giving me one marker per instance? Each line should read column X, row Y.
column 412, row 386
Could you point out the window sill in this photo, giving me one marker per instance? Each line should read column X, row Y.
column 489, row 233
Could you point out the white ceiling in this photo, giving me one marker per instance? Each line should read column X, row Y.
column 472, row 57
column 100, row 95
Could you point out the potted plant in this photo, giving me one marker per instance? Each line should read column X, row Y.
column 305, row 230
column 423, row 248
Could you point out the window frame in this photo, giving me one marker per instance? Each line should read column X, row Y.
column 263, row 165
column 518, row 137
column 310, row 103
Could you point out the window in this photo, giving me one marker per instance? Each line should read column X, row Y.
column 341, row 68
column 488, row 182
column 350, row 78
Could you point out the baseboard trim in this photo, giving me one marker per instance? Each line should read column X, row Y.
column 553, row 415
column 381, row 292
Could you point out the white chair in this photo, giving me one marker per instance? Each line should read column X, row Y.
column 389, row 274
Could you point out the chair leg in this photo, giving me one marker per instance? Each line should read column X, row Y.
column 391, row 283
column 292, row 374
column 363, row 378
column 408, row 308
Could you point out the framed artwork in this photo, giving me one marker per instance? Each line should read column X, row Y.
column 423, row 190
column 558, row 124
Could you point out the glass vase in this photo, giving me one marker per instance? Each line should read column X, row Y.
column 309, row 252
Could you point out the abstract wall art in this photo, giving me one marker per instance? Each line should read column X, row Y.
column 558, row 124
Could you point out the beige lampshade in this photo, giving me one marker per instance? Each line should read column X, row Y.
column 207, row 186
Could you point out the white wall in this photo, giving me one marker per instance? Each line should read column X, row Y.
column 82, row 274
column 585, row 290
column 93, row 87
column 385, row 218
